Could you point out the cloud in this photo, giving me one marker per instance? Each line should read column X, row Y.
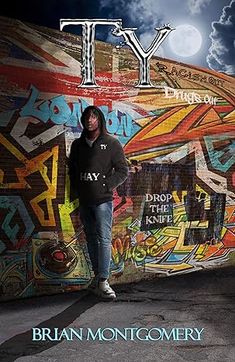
column 222, row 50
column 145, row 15
column 196, row 6
column 149, row 12
column 113, row 6
column 146, row 11
column 139, row 13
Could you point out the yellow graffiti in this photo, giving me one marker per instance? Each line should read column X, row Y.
column 31, row 166
column 66, row 209
column 170, row 123
column 14, row 151
column 37, row 164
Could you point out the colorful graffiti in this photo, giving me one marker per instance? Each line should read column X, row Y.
column 176, row 211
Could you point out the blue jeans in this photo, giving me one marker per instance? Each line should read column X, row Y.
column 97, row 222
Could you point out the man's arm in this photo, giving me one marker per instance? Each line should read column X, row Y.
column 119, row 165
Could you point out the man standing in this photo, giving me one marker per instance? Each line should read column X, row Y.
column 97, row 165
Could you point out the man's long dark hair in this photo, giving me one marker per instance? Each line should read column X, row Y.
column 98, row 113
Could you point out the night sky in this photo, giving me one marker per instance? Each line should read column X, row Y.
column 204, row 35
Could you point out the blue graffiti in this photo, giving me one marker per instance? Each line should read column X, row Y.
column 76, row 114
column 14, row 204
column 59, row 112
column 224, row 158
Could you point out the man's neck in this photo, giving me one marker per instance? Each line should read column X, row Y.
column 92, row 135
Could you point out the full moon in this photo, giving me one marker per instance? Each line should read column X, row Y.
column 185, row 40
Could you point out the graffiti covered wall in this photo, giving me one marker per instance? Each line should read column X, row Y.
column 175, row 212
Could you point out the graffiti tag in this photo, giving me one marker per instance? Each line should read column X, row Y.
column 189, row 97
column 60, row 112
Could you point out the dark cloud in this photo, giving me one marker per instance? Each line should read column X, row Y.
column 222, row 51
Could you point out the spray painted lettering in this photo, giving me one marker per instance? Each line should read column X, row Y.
column 189, row 97
column 60, row 112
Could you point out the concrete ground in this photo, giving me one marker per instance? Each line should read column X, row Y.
column 203, row 299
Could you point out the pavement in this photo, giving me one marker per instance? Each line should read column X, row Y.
column 157, row 319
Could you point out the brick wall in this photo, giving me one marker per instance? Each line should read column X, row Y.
column 175, row 212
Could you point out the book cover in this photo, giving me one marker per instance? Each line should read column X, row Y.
column 162, row 72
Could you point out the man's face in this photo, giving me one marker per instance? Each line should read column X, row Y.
column 92, row 123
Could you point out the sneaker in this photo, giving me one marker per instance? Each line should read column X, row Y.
column 105, row 291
